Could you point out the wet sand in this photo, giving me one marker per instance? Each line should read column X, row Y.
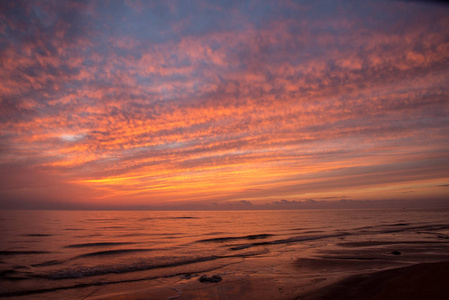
column 348, row 270
column 421, row 281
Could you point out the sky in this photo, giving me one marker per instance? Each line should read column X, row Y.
column 225, row 104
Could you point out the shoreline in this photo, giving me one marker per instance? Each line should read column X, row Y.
column 416, row 281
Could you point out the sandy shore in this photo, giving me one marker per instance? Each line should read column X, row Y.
column 421, row 281
column 361, row 270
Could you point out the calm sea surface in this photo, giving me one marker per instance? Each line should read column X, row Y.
column 43, row 253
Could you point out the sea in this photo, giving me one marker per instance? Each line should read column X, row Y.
column 88, row 254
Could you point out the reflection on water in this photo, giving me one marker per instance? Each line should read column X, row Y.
column 39, row 256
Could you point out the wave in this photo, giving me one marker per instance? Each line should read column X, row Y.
column 105, row 244
column 12, row 275
column 232, row 238
column 150, row 234
column 168, row 218
column 36, row 234
column 397, row 224
column 118, row 269
column 383, row 243
column 5, row 252
column 433, row 227
column 114, row 252
column 103, row 220
column 399, row 227
column 295, row 239
column 71, row 273
column 113, row 227
column 48, row 263
column 88, row 235
column 395, row 229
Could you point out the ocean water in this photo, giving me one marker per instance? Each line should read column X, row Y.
column 54, row 254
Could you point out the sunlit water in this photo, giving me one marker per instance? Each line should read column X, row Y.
column 43, row 252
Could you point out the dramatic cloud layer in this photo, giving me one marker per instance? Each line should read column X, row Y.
column 150, row 103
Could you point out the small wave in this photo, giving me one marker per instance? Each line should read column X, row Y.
column 400, row 224
column 12, row 275
column 105, row 244
column 25, row 292
column 121, row 268
column 232, row 238
column 303, row 238
column 113, row 227
column 288, row 241
column 162, row 262
column 102, row 220
column 168, row 218
column 395, row 224
column 382, row 243
column 88, row 235
column 241, row 247
column 47, row 263
column 22, row 252
column 150, row 234
column 36, row 234
column 113, row 252
column 6, row 273
column 414, row 228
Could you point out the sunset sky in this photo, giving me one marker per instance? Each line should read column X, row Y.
column 222, row 103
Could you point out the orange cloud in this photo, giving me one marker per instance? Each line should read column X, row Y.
column 285, row 101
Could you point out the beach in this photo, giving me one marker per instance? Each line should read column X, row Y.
column 420, row 281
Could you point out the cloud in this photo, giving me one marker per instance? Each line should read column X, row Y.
column 223, row 101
